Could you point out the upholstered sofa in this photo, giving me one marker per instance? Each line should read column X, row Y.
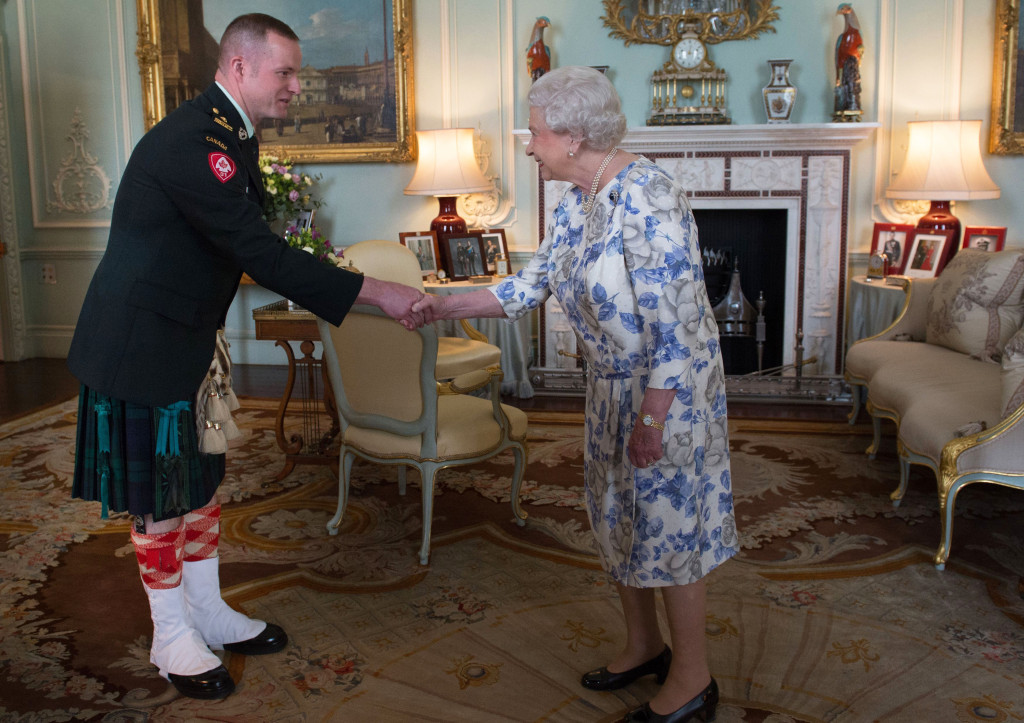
column 950, row 373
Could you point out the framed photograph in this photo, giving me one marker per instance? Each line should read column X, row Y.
column 356, row 103
column 424, row 245
column 928, row 253
column 495, row 245
column 463, row 255
column 891, row 239
column 304, row 219
column 985, row 238
column 1006, row 133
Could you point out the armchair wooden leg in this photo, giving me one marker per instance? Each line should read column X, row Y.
column 519, row 454
column 947, row 499
column 897, row 495
column 856, row 390
column 344, row 475
column 876, row 440
column 428, row 472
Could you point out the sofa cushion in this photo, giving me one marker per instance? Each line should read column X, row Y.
column 933, row 418
column 976, row 306
column 1012, row 377
column 907, row 371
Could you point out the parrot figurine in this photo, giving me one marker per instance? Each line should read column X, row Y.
column 849, row 50
column 538, row 55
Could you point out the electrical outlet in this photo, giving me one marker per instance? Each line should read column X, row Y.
column 49, row 275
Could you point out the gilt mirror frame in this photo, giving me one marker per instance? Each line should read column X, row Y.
column 348, row 145
column 1006, row 134
column 632, row 23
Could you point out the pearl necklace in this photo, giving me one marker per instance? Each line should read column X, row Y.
column 588, row 200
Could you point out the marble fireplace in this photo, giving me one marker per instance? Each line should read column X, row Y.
column 802, row 171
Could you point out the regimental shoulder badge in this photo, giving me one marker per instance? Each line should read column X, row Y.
column 222, row 121
column 222, row 166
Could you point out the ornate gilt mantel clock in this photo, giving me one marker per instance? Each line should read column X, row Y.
column 689, row 88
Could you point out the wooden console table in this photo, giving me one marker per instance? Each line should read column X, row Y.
column 284, row 325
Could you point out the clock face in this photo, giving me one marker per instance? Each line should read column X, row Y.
column 689, row 53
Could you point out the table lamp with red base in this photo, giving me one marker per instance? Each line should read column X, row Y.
column 447, row 168
column 943, row 164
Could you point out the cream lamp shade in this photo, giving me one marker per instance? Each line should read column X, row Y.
column 447, row 165
column 943, row 164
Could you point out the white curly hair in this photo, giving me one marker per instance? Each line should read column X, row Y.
column 581, row 101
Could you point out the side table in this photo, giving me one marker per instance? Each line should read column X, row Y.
column 285, row 325
column 874, row 304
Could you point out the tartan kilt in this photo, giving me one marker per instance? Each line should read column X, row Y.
column 140, row 459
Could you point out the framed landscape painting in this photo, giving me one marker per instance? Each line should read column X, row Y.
column 356, row 101
column 1006, row 131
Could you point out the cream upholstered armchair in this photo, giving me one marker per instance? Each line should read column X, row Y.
column 392, row 413
column 462, row 364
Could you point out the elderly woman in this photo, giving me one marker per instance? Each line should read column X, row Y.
column 621, row 256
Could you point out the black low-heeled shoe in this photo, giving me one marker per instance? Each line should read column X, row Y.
column 211, row 685
column 271, row 640
column 705, row 704
column 604, row 679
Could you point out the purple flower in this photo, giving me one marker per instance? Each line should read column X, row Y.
column 293, row 196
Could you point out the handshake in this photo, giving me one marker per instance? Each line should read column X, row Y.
column 410, row 307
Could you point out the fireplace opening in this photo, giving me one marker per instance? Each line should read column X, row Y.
column 753, row 242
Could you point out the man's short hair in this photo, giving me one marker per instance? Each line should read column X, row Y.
column 251, row 31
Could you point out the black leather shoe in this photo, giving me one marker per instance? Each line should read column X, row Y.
column 604, row 679
column 704, row 705
column 271, row 640
column 211, row 685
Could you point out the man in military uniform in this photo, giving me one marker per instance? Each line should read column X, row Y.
column 187, row 222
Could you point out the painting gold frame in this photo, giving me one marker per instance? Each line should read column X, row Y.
column 1006, row 136
column 403, row 148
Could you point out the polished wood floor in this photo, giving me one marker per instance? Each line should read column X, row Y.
column 33, row 384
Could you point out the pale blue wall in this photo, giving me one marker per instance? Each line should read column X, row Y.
column 925, row 59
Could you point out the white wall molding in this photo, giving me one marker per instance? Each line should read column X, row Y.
column 12, row 305
column 50, row 189
column 63, row 253
column 494, row 149
column 946, row 34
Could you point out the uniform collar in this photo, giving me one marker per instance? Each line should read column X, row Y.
column 249, row 128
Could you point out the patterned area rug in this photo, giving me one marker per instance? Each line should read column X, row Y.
column 833, row 611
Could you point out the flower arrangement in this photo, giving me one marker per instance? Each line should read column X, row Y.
column 287, row 190
column 312, row 241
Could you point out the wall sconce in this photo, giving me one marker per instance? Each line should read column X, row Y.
column 943, row 164
column 446, row 167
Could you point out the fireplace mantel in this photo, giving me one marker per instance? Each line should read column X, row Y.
column 802, row 168
column 760, row 137
column 779, row 136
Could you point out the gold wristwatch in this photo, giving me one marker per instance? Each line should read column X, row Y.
column 648, row 421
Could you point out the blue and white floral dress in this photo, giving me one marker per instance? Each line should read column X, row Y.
column 629, row 278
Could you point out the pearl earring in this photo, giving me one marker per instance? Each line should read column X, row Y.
column 571, row 154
